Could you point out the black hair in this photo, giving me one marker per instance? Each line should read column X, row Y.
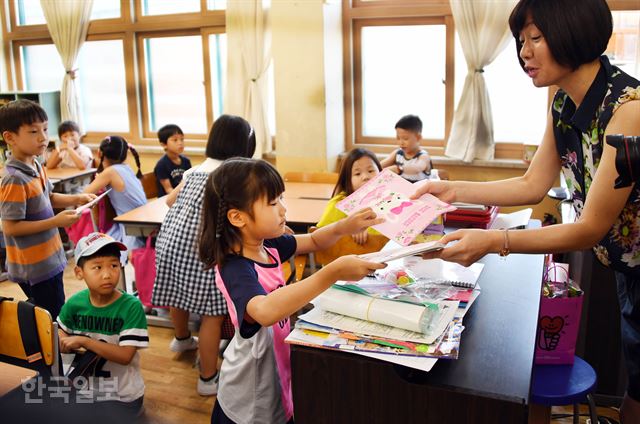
column 577, row 32
column 21, row 112
column 115, row 148
column 66, row 126
column 167, row 131
column 344, row 178
column 236, row 184
column 231, row 136
column 410, row 123
column 108, row 251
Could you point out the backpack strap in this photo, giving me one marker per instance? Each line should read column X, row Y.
column 29, row 331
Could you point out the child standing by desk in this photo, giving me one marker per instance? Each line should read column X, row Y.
column 409, row 161
column 35, row 256
column 182, row 283
column 243, row 238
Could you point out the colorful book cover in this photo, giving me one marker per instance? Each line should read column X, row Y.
column 388, row 195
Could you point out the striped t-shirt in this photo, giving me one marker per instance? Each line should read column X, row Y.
column 25, row 195
column 122, row 323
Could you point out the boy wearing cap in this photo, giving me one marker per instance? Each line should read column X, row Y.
column 108, row 322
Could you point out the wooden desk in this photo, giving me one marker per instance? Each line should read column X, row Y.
column 142, row 221
column 11, row 377
column 65, row 179
column 297, row 190
column 489, row 383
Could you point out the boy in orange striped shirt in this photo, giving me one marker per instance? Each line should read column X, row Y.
column 35, row 257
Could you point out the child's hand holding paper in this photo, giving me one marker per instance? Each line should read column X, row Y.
column 93, row 201
column 359, row 221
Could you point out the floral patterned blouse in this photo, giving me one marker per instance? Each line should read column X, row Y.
column 580, row 138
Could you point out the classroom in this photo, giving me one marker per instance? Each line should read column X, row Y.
column 320, row 211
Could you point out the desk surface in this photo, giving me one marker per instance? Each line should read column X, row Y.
column 63, row 174
column 495, row 362
column 295, row 190
column 304, row 211
column 12, row 376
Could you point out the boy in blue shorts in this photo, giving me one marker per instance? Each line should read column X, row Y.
column 35, row 256
column 108, row 322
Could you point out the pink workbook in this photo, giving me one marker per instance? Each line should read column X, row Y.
column 388, row 195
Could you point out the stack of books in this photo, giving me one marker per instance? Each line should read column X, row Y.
column 471, row 215
column 380, row 318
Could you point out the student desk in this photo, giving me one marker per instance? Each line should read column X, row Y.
column 144, row 220
column 64, row 179
column 12, row 376
column 489, row 383
column 298, row 190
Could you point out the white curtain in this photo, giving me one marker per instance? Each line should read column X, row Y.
column 248, row 58
column 484, row 32
column 68, row 22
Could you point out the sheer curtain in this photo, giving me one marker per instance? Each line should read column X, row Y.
column 248, row 58
column 484, row 32
column 68, row 22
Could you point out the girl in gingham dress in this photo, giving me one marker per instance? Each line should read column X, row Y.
column 182, row 283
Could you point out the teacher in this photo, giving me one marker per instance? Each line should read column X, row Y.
column 560, row 42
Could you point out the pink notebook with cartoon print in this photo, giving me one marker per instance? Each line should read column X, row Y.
column 388, row 195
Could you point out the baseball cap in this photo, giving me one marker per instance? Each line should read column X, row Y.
column 90, row 244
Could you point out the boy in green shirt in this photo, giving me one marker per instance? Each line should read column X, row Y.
column 108, row 322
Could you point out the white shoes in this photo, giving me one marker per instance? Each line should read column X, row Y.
column 208, row 388
column 183, row 345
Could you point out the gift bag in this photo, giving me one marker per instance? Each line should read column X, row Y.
column 144, row 264
column 559, row 318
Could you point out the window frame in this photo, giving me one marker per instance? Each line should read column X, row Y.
column 130, row 28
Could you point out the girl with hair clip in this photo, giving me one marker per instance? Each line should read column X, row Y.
column 358, row 167
column 243, row 237
column 561, row 43
column 182, row 283
column 126, row 189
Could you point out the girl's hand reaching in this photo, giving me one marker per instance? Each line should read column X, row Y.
column 443, row 190
column 359, row 222
column 351, row 268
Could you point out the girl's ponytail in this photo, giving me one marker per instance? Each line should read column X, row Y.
column 136, row 157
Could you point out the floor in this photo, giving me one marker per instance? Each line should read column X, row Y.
column 170, row 378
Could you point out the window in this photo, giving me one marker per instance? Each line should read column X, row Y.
column 218, row 65
column 102, row 84
column 624, row 46
column 175, row 83
column 216, row 4
column 29, row 12
column 169, row 7
column 403, row 72
column 517, row 118
column 35, row 75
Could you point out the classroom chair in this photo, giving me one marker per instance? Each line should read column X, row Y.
column 556, row 385
column 28, row 337
column 311, row 177
column 149, row 185
column 346, row 246
column 299, row 262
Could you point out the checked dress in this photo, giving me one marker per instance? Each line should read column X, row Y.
column 181, row 281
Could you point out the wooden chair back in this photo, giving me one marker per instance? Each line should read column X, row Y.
column 442, row 173
column 312, row 177
column 346, row 246
column 11, row 338
column 150, row 185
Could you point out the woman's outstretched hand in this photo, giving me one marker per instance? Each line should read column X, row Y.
column 443, row 190
column 470, row 246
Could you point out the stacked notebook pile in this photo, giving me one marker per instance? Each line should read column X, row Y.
column 471, row 215
column 412, row 310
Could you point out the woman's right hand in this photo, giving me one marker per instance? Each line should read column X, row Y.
column 442, row 189
column 352, row 268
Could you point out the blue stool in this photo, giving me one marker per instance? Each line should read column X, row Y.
column 555, row 385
